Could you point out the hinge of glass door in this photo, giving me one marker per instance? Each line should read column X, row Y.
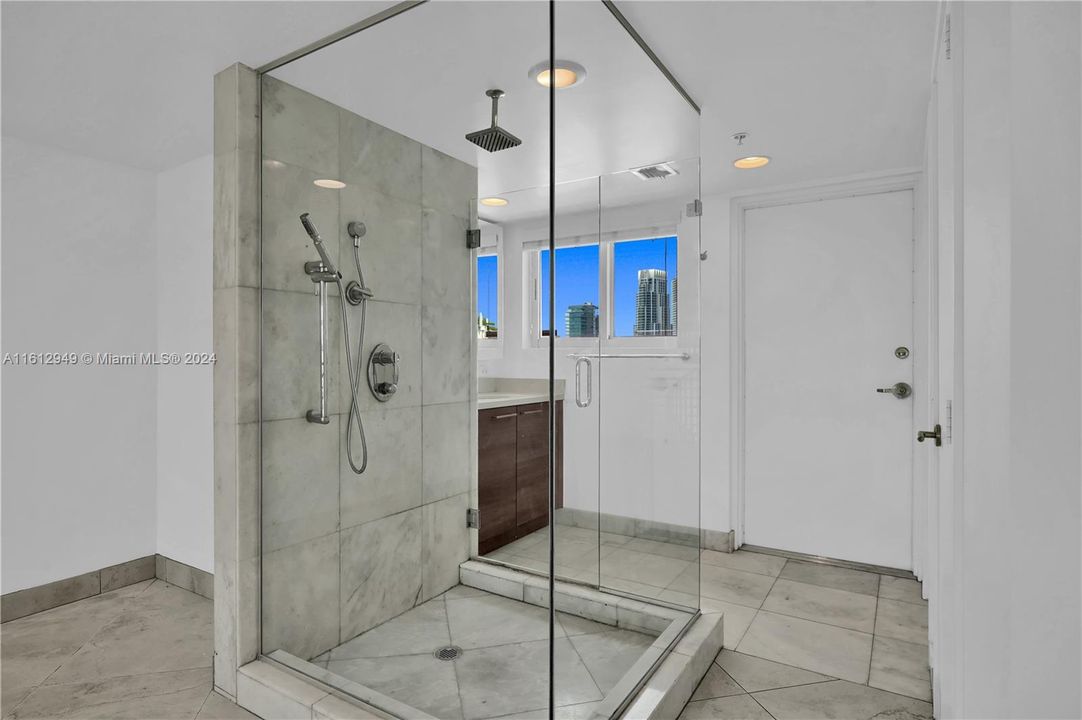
column 473, row 518
column 473, row 238
column 695, row 208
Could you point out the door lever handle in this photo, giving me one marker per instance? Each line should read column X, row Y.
column 936, row 435
column 899, row 390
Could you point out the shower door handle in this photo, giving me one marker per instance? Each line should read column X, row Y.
column 589, row 382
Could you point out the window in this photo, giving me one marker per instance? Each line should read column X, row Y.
column 488, row 297
column 644, row 287
column 577, row 312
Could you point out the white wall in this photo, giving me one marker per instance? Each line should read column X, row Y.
column 104, row 464
column 78, row 261
column 185, row 458
column 1014, row 595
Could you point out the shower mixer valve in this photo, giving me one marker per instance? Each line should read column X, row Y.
column 383, row 366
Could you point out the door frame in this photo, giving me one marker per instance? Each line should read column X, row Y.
column 852, row 186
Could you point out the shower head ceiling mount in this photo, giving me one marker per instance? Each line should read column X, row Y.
column 494, row 138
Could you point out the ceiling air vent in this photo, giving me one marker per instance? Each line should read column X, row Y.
column 654, row 172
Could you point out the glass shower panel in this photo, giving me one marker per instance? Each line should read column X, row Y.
column 370, row 190
column 519, row 537
column 649, row 400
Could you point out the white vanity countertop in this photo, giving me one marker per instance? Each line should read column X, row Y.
column 506, row 392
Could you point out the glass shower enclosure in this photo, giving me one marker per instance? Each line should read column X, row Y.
column 437, row 498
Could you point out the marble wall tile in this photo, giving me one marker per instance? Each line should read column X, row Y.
column 291, row 354
column 300, row 597
column 445, row 544
column 390, row 249
column 299, row 128
column 236, row 222
column 392, row 481
column 446, row 450
column 445, row 261
column 288, row 191
column 399, row 326
column 447, row 183
column 446, row 365
column 300, row 481
column 378, row 159
column 381, row 571
column 236, row 272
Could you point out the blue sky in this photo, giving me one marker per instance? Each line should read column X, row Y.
column 487, row 287
column 577, row 277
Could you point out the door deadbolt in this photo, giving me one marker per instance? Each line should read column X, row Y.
column 901, row 352
column 899, row 390
column 936, row 435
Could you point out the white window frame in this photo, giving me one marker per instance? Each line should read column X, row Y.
column 491, row 348
column 606, row 293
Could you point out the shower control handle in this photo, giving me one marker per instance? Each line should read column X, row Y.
column 383, row 371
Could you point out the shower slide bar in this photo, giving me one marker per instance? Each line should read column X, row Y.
column 320, row 274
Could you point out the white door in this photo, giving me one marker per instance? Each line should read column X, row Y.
column 828, row 300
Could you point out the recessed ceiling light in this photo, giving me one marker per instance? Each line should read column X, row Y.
column 494, row 201
column 567, row 73
column 329, row 184
column 751, row 162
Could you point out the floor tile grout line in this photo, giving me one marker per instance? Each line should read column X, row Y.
column 483, row 647
column 454, row 665
column 589, row 673
column 96, row 633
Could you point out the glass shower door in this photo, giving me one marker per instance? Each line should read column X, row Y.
column 648, row 367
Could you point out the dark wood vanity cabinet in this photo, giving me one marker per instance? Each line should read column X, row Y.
column 512, row 471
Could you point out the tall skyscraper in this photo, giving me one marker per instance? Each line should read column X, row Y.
column 581, row 320
column 652, row 304
column 675, row 306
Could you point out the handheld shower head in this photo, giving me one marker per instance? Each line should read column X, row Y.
column 317, row 241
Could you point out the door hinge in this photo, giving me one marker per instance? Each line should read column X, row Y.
column 473, row 518
column 473, row 238
column 947, row 36
column 695, row 208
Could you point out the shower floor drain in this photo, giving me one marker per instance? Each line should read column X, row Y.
column 450, row 652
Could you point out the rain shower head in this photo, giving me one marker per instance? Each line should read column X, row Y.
column 495, row 138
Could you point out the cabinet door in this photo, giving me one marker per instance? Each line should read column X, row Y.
column 496, row 431
column 532, row 468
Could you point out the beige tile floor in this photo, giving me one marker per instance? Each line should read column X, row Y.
column 807, row 641
column 848, row 625
column 503, row 669
column 143, row 651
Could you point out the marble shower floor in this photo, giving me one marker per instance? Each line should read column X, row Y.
column 142, row 651
column 503, row 669
column 860, row 627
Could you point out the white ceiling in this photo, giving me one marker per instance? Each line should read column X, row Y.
column 826, row 88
